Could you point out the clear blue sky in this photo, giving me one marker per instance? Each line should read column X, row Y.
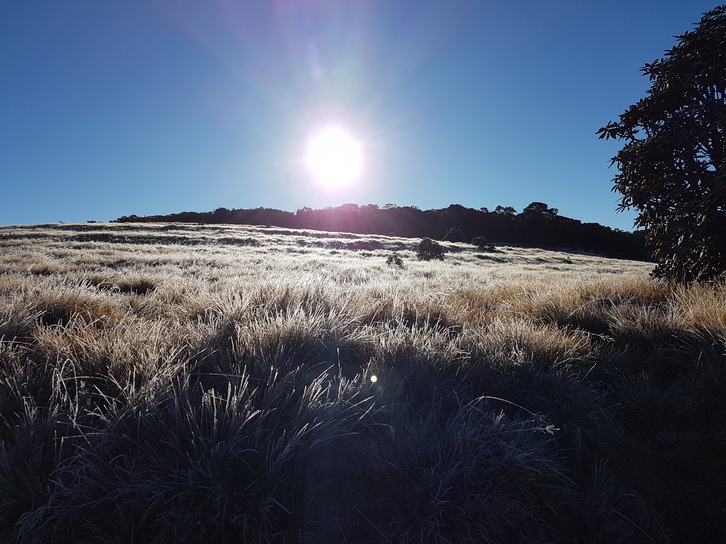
column 158, row 106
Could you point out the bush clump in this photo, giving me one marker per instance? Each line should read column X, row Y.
column 429, row 249
column 482, row 243
column 394, row 260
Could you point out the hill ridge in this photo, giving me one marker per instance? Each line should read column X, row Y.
column 536, row 226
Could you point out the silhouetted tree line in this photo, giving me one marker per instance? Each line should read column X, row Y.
column 537, row 225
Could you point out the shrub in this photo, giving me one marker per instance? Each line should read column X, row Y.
column 429, row 249
column 394, row 260
column 482, row 243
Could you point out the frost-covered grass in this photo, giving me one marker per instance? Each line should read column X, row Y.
column 207, row 383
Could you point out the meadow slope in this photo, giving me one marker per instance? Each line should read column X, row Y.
column 210, row 383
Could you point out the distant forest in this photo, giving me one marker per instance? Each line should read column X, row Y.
column 537, row 225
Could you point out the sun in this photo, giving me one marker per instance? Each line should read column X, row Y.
column 334, row 157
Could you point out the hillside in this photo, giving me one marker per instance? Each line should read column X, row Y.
column 536, row 226
column 179, row 382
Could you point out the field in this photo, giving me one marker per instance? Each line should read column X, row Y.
column 207, row 383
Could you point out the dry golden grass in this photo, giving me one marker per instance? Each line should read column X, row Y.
column 515, row 389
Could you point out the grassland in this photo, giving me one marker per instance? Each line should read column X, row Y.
column 189, row 383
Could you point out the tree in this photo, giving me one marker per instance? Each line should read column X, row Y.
column 540, row 209
column 221, row 215
column 505, row 210
column 454, row 234
column 672, row 168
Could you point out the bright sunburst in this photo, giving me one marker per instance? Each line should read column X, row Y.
column 334, row 157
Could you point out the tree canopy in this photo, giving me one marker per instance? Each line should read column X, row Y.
column 672, row 167
column 540, row 209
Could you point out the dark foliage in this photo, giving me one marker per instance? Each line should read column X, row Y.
column 540, row 209
column 482, row 243
column 394, row 260
column 429, row 249
column 505, row 210
column 673, row 164
column 454, row 234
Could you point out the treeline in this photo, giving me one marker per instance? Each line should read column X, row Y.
column 537, row 225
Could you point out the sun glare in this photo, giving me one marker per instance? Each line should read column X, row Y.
column 334, row 157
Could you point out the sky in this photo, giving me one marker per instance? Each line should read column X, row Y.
column 153, row 107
